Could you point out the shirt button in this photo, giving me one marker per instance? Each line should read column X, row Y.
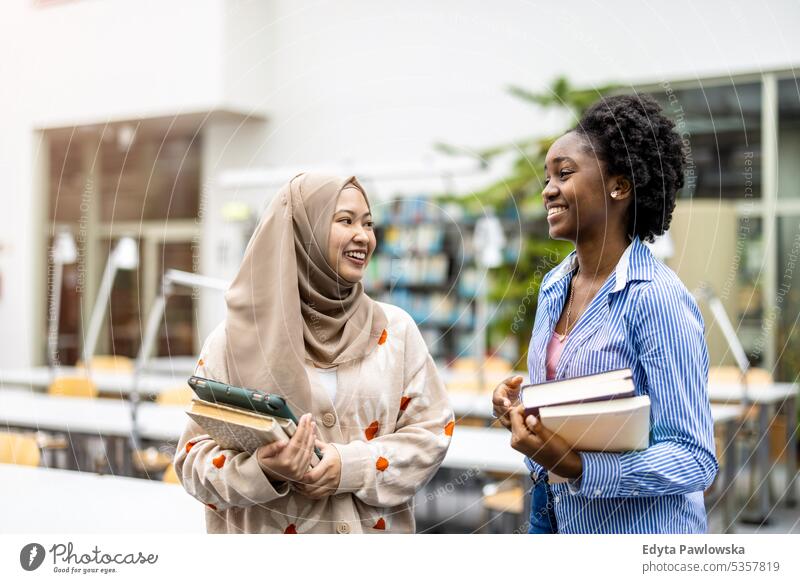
column 329, row 419
column 598, row 492
column 343, row 528
column 557, row 499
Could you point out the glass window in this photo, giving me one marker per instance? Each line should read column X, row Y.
column 721, row 131
column 67, row 180
column 750, row 256
column 787, row 300
column 788, row 138
column 177, row 333
column 153, row 177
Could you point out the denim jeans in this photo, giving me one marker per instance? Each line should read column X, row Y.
column 543, row 517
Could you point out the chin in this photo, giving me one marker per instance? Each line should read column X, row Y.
column 352, row 277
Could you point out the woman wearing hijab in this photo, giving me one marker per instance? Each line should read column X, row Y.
column 356, row 373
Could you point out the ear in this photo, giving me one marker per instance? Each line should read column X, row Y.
column 620, row 188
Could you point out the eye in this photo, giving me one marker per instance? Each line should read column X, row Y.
column 564, row 173
column 344, row 220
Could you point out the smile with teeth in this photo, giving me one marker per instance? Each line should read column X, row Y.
column 357, row 255
column 555, row 210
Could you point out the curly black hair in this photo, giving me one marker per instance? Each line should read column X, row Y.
column 633, row 137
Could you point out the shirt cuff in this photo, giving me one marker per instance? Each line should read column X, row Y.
column 601, row 475
column 263, row 489
column 355, row 457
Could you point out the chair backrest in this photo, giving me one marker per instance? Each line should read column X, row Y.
column 170, row 477
column 109, row 363
column 16, row 448
column 73, row 387
column 177, row 396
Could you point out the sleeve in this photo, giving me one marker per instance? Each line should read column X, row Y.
column 671, row 348
column 389, row 469
column 218, row 477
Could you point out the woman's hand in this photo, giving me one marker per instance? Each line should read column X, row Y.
column 504, row 397
column 322, row 480
column 288, row 461
column 529, row 436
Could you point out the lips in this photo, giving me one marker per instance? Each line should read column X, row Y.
column 555, row 211
column 357, row 257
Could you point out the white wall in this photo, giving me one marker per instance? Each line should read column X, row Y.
column 383, row 80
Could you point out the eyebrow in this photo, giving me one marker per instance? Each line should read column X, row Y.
column 351, row 213
column 560, row 159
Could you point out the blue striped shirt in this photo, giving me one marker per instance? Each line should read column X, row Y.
column 645, row 319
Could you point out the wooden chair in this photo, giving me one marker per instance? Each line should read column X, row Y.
column 109, row 363
column 18, row 448
column 178, row 396
column 170, row 476
column 73, row 387
column 503, row 501
column 732, row 375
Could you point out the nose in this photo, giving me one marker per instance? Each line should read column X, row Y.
column 360, row 236
column 549, row 192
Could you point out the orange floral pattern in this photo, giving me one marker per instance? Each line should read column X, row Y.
column 382, row 464
column 404, row 401
column 219, row 461
column 448, row 429
column 371, row 431
column 382, row 339
column 291, row 529
column 189, row 446
column 380, row 525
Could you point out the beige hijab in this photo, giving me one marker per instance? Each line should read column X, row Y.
column 287, row 303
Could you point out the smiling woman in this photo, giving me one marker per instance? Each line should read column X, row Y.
column 299, row 324
column 611, row 184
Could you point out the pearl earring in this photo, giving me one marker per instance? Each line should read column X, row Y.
column 614, row 194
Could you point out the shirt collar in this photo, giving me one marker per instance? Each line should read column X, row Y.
column 636, row 263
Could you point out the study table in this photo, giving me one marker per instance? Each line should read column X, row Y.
column 69, row 502
column 120, row 384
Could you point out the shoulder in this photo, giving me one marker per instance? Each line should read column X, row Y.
column 215, row 339
column 666, row 301
column 664, row 288
column 212, row 362
column 402, row 327
column 399, row 321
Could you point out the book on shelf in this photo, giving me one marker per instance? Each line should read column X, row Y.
column 593, row 413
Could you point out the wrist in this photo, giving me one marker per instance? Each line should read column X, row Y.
column 571, row 468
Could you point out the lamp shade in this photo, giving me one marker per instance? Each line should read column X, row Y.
column 64, row 249
column 126, row 254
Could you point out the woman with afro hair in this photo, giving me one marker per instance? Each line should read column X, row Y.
column 610, row 184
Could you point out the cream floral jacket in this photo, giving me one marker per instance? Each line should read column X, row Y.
column 391, row 422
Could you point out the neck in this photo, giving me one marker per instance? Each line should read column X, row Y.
column 598, row 257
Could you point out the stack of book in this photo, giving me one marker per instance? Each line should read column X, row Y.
column 593, row 413
column 239, row 429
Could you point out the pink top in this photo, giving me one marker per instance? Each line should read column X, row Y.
column 554, row 348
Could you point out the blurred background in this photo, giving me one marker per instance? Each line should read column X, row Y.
column 140, row 137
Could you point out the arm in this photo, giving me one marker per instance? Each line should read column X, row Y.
column 389, row 469
column 668, row 336
column 220, row 478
